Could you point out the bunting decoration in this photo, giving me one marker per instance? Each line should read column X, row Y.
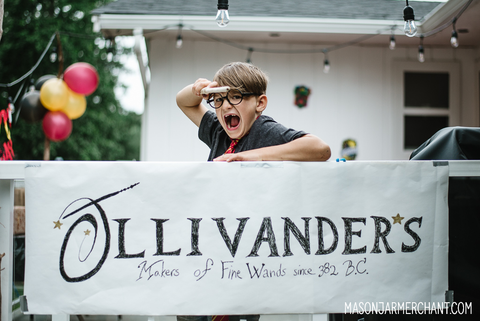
column 6, row 150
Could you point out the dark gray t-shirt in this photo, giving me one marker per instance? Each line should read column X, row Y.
column 264, row 132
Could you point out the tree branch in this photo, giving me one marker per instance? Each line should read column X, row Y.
column 1, row 18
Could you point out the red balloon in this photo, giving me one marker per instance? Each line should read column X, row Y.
column 57, row 126
column 81, row 78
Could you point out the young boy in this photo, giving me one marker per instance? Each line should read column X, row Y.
column 238, row 131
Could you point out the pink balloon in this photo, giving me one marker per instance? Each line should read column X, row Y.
column 57, row 126
column 81, row 78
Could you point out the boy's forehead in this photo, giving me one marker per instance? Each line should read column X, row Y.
column 232, row 82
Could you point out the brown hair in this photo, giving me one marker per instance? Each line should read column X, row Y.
column 242, row 76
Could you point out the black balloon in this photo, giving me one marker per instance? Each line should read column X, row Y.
column 31, row 109
column 42, row 80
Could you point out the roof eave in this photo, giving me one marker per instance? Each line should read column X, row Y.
column 441, row 13
column 249, row 24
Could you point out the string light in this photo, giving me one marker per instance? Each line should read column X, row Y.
column 392, row 42
column 326, row 63
column 421, row 52
column 110, row 45
column 223, row 5
column 410, row 27
column 53, row 55
column 249, row 56
column 179, row 42
column 454, row 38
column 222, row 17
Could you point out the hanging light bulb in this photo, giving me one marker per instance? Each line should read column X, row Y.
column 179, row 42
column 111, row 48
column 409, row 28
column 421, row 52
column 454, row 38
column 326, row 63
column 222, row 17
column 392, row 42
column 326, row 66
column 53, row 55
column 249, row 56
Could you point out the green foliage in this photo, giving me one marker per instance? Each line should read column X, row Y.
column 105, row 131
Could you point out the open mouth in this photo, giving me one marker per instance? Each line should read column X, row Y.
column 232, row 121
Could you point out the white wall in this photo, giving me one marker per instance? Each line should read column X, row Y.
column 353, row 101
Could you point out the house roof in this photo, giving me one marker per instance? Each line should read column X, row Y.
column 332, row 9
column 306, row 21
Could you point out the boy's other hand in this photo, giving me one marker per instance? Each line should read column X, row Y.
column 240, row 157
column 308, row 148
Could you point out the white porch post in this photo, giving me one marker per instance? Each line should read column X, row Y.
column 60, row 317
column 6, row 246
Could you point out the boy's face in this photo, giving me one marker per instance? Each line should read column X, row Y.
column 237, row 120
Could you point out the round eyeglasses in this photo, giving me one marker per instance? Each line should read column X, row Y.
column 234, row 97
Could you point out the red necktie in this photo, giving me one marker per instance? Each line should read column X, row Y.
column 231, row 148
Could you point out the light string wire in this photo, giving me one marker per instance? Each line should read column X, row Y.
column 13, row 83
column 243, row 47
column 56, row 34
column 323, row 50
column 286, row 51
column 332, row 48
column 27, row 75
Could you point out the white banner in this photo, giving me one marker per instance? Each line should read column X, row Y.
column 238, row 238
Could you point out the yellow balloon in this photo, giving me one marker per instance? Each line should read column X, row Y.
column 75, row 106
column 54, row 94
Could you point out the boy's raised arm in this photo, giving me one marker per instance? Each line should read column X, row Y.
column 306, row 148
column 189, row 100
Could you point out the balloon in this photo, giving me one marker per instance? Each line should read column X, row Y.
column 57, row 126
column 42, row 80
column 31, row 109
column 76, row 105
column 82, row 78
column 54, row 94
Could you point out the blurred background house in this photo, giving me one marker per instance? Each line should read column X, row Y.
column 386, row 100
